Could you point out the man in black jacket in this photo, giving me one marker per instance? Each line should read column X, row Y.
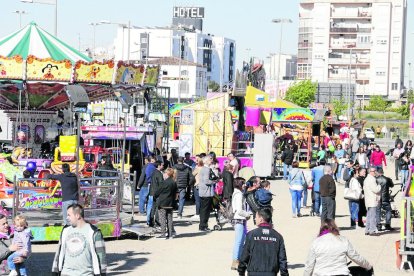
column 287, row 159
column 385, row 183
column 183, row 175
column 157, row 180
column 264, row 251
column 70, row 192
column 327, row 190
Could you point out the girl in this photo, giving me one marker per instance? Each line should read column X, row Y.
column 166, row 194
column 22, row 237
column 240, row 217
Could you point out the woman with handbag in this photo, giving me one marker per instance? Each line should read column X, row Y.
column 296, row 182
column 353, row 194
column 240, row 216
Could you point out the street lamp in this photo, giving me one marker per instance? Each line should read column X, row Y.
column 46, row 2
column 409, row 76
column 20, row 13
column 280, row 21
column 123, row 25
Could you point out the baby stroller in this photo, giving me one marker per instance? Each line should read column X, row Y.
column 394, row 209
column 222, row 211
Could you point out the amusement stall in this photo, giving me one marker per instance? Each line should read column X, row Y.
column 35, row 71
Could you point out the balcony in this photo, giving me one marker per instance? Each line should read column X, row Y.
column 350, row 30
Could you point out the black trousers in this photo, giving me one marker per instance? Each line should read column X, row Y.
column 154, row 214
column 328, row 208
column 205, row 208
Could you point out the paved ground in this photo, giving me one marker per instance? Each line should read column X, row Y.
column 196, row 253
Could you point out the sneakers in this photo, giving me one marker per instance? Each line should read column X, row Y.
column 234, row 265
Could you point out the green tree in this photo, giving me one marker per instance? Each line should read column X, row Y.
column 404, row 110
column 213, row 86
column 377, row 103
column 302, row 93
column 339, row 106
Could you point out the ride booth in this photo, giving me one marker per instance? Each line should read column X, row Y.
column 283, row 121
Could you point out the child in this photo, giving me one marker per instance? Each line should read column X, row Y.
column 22, row 237
column 263, row 194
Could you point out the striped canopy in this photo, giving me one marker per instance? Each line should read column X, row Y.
column 33, row 40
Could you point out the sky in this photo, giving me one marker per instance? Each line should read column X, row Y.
column 248, row 22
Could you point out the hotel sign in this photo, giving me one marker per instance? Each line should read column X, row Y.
column 188, row 12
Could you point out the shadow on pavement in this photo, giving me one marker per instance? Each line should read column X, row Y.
column 190, row 235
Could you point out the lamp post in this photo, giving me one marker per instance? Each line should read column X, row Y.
column 123, row 25
column 409, row 76
column 20, row 13
column 280, row 21
column 94, row 24
column 46, row 2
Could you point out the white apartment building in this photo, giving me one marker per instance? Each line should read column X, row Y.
column 216, row 54
column 287, row 67
column 355, row 41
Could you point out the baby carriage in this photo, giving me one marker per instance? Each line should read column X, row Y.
column 222, row 211
column 394, row 209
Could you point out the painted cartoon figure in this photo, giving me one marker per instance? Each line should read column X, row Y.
column 127, row 76
column 93, row 72
column 48, row 69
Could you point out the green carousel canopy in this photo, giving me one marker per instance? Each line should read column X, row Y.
column 33, row 40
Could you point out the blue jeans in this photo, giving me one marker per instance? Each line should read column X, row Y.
column 143, row 194
column 240, row 231
column 12, row 266
column 181, row 200
column 149, row 207
column 286, row 170
column 404, row 178
column 296, row 199
column 65, row 205
column 339, row 171
column 353, row 210
column 317, row 203
column 305, row 197
column 197, row 201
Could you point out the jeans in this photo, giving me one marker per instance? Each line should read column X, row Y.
column 296, row 199
column 143, row 194
column 317, row 203
column 149, row 207
column 205, row 208
column 353, row 210
column 286, row 170
column 404, row 178
column 197, row 201
column 387, row 207
column 305, row 197
column 240, row 231
column 181, row 200
column 65, row 205
column 339, row 172
column 371, row 225
column 397, row 168
column 328, row 208
column 12, row 265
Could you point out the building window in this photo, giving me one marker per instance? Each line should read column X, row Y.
column 394, row 86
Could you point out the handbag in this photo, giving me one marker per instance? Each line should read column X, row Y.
column 351, row 194
column 213, row 176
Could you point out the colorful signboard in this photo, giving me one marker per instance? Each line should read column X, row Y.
column 11, row 68
column 129, row 74
column 151, row 75
column 94, row 72
column 48, row 69
column 293, row 114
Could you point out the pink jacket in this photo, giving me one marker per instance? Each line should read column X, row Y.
column 377, row 157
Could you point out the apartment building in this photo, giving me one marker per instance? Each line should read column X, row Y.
column 354, row 41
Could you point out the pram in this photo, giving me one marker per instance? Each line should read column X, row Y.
column 394, row 209
column 222, row 212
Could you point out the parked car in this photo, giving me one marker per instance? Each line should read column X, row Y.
column 370, row 134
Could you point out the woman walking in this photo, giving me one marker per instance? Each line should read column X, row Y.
column 353, row 195
column 362, row 158
column 296, row 182
column 240, row 217
column 340, row 155
column 166, row 195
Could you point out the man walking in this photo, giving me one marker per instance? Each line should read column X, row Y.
column 384, row 203
column 149, row 171
column 398, row 151
column 70, row 192
column 317, row 174
column 206, row 193
column 377, row 158
column 81, row 247
column 327, row 188
column 143, row 186
column 287, row 159
column 372, row 196
column 183, row 175
column 264, row 251
column 157, row 180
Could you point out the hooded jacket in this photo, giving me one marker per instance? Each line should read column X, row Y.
column 69, row 184
column 183, row 175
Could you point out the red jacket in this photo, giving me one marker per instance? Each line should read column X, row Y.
column 377, row 157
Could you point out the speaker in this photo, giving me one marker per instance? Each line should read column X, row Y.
column 316, row 130
column 77, row 95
